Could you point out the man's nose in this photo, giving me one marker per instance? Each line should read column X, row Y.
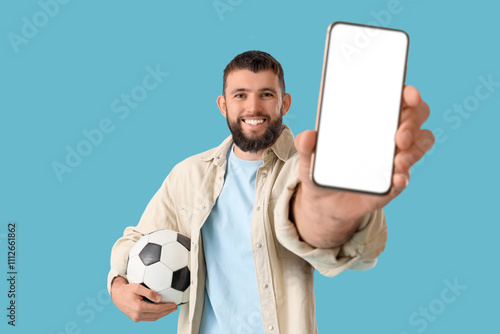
column 254, row 104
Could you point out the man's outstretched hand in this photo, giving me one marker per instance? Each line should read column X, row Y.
column 128, row 298
column 327, row 218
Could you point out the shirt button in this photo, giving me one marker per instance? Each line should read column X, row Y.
column 203, row 207
column 259, row 245
column 271, row 327
column 258, row 208
column 265, row 286
column 264, row 174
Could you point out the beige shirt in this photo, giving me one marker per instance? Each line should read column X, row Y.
column 284, row 264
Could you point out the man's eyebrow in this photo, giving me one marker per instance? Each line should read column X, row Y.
column 239, row 90
column 268, row 89
column 260, row 90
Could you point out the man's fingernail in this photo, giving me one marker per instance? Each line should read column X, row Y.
column 158, row 298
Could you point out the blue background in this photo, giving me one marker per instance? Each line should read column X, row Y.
column 64, row 78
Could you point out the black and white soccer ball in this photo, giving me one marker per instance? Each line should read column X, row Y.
column 160, row 262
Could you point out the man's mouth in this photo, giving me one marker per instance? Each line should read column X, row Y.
column 253, row 121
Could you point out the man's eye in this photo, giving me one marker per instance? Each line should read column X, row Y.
column 239, row 95
column 267, row 94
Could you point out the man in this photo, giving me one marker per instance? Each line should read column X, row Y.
column 258, row 225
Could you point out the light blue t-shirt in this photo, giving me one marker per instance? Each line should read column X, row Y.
column 231, row 292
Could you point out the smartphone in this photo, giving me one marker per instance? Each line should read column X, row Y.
column 359, row 105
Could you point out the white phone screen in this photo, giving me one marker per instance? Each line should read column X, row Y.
column 358, row 113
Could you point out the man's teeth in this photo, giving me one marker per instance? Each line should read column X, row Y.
column 254, row 121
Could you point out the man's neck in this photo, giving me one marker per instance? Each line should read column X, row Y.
column 248, row 155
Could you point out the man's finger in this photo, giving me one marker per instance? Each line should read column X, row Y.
column 418, row 113
column 410, row 124
column 411, row 97
column 149, row 316
column 148, row 293
column 156, row 316
column 158, row 310
column 407, row 158
column 400, row 180
column 305, row 143
column 399, row 183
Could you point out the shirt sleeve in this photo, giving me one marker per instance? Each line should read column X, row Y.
column 159, row 214
column 358, row 253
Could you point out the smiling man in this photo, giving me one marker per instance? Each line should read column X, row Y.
column 259, row 227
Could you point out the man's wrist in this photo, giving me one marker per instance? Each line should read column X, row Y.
column 317, row 228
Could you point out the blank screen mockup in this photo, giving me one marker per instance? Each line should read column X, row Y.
column 359, row 109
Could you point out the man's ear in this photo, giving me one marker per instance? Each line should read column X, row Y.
column 287, row 102
column 221, row 102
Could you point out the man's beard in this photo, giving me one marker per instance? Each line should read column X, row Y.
column 255, row 144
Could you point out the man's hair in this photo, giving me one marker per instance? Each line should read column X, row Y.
column 254, row 61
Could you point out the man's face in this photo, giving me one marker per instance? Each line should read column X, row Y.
column 254, row 107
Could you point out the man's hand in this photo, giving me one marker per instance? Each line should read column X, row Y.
column 128, row 298
column 327, row 218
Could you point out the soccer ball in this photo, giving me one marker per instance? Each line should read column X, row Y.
column 160, row 262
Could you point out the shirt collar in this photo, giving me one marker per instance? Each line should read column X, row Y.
column 283, row 148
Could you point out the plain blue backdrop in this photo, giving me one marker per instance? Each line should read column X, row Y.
column 65, row 66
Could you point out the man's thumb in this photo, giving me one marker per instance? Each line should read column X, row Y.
column 304, row 143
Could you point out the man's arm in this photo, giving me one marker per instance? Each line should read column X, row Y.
column 128, row 297
column 328, row 218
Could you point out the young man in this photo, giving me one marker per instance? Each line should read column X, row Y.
column 258, row 225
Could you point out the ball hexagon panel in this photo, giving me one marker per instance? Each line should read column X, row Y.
column 174, row 255
column 158, row 276
column 163, row 237
column 150, row 254
column 181, row 279
column 135, row 270
column 138, row 246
